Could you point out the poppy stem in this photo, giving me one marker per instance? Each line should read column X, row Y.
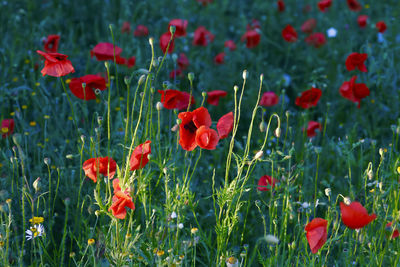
column 70, row 103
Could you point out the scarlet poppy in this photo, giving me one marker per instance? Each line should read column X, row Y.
column 206, row 138
column 140, row 156
column 309, row 98
column 202, row 37
column 130, row 62
column 356, row 60
column 266, row 182
column 105, row 51
column 323, row 5
column 252, row 38
column 7, row 127
column 381, row 26
column 165, row 38
column 316, row 233
column 120, row 60
column 92, row 82
column 120, row 201
column 355, row 216
column 190, row 122
column 269, row 99
column 172, row 99
column 396, row 232
column 289, row 34
column 309, row 25
column 183, row 61
column 312, row 127
column 141, row 31
column 281, row 5
column 254, row 25
column 51, row 43
column 105, row 166
column 56, row 64
column 316, row 39
column 225, row 125
column 230, row 45
column 213, row 96
column 126, row 27
column 354, row 91
column 175, row 73
column 220, row 58
column 180, row 26
column 354, row 5
column 362, row 20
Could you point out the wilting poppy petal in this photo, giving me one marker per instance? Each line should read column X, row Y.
column 105, row 51
column 225, row 125
column 140, row 156
column 92, row 82
column 214, row 96
column 56, row 64
column 316, row 233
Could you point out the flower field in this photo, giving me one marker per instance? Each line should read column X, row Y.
column 200, row 133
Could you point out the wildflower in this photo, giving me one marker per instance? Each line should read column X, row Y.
column 354, row 92
column 120, row 200
column 356, row 60
column 34, row 231
column 213, row 96
column 312, row 127
column 281, row 5
column 355, row 216
column 225, row 125
column 183, row 61
column 165, row 39
column 7, row 127
column 362, row 20
column 323, row 5
column 130, row 62
column 90, row 82
column 173, row 215
column 252, row 38
column 206, row 138
column 381, row 26
column 271, row 239
column 202, row 37
column 175, row 73
column 266, row 182
column 90, row 241
column 230, row 45
column 309, row 26
column 105, row 51
column 180, row 225
column 309, row 98
column 36, row 220
column 141, row 31
column 316, row 233
column 269, row 99
column 51, row 43
column 289, row 34
column 172, row 99
column 395, row 233
column 140, row 156
column 180, row 26
column 194, row 230
column 219, row 59
column 232, row 262
column 105, row 166
column 354, row 5
column 316, row 39
column 160, row 253
column 56, row 64
column 126, row 27
column 331, row 32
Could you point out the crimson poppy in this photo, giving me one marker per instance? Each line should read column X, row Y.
column 126, row 27
column 309, row 25
column 7, row 127
column 51, row 43
column 316, row 233
column 105, row 51
column 281, row 5
column 396, row 232
column 120, row 201
column 289, row 34
column 354, row 5
column 312, row 127
column 202, row 37
column 225, row 125
column 356, row 60
column 381, row 26
column 230, row 45
column 355, row 216
column 316, row 39
column 266, row 182
column 165, row 38
column 180, row 27
column 254, row 25
column 213, row 96
column 354, row 91
column 92, row 82
column 323, row 5
column 220, row 58
column 141, row 31
column 56, row 64
column 206, row 138
column 175, row 73
column 172, row 99
column 362, row 20
column 269, row 99
column 105, row 166
column 184, row 102
column 183, row 61
column 190, row 122
column 130, row 62
column 309, row 98
column 140, row 156
column 252, row 38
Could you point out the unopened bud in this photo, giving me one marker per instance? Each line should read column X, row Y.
column 191, row 76
column 259, row 155
column 69, row 156
column 236, row 88
column 141, row 79
column 172, row 30
column 151, row 41
column 83, row 138
column 178, row 121
column 346, row 200
column 36, row 184
column 99, row 120
column 244, row 74
column 175, row 128
column 159, row 106
column 127, row 80
column 327, row 192
column 261, row 77
column 278, row 132
column 47, row 161
column 262, row 127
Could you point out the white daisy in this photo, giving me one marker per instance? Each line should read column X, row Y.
column 331, row 32
column 34, row 231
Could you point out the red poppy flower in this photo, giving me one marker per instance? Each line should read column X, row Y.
column 230, row 45
column 254, row 25
column 184, row 102
column 269, row 99
column 354, row 5
column 316, row 39
column 190, row 122
column 220, row 58
column 94, row 165
column 206, row 138
column 141, row 31
column 56, row 64
column 356, row 60
column 266, row 182
column 289, row 34
column 354, row 91
column 126, row 27
column 92, row 82
column 180, row 26
column 172, row 99
column 175, row 73
column 323, row 5
column 183, row 61
column 312, row 127
column 120, row 201
column 362, row 20
column 130, row 62
column 140, row 156
column 164, row 40
column 213, row 96
column 202, row 37
column 105, row 51
column 281, row 5
column 309, row 25
column 225, row 125
column 7, row 127
column 51, row 43
column 396, row 232
column 355, row 216
column 309, row 98
column 316, row 233
column 381, row 26
column 252, row 38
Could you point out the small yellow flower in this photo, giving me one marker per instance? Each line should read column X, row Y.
column 182, row 257
column 68, row 81
column 90, row 241
column 26, row 133
column 1, row 244
column 366, row 6
column 112, row 77
column 398, row 169
column 160, row 253
column 117, row 108
column 12, row 113
column 33, row 93
column 27, row 61
column 194, row 230
column 385, row 150
column 39, row 144
column 72, row 254
column 8, row 201
column 32, row 123
column 4, row 130
column 128, row 235
column 36, row 220
column 15, row 79
column 53, row 167
column 70, row 118
column 37, row 84
column 46, row 117
column 372, row 101
column 24, row 106
column 231, row 260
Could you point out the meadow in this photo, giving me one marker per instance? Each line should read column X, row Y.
column 200, row 133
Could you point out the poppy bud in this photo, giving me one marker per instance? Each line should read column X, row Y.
column 36, row 184
column 347, row 200
column 159, row 106
column 261, row 77
column 278, row 132
column 127, row 80
column 141, row 79
column 67, row 201
column 259, row 155
column 69, row 156
column 244, row 75
column 262, row 127
column 175, row 128
column 106, row 64
column 151, row 41
column 327, row 192
column 236, row 88
column 381, row 151
column 178, row 121
column 191, row 76
column 172, row 30
column 47, row 161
